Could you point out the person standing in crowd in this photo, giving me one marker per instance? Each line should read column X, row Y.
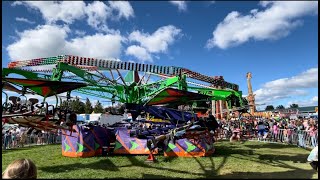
column 271, row 122
column 18, row 136
column 300, row 131
column 261, row 130
column 7, row 138
column 13, row 137
column 285, row 134
column 50, row 137
column 291, row 129
column 235, row 133
column 39, row 137
column 275, row 129
column 305, row 123
column 22, row 135
column 43, row 137
column 29, row 134
column 312, row 133
column 33, row 136
column 266, row 129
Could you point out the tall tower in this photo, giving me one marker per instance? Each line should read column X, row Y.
column 250, row 96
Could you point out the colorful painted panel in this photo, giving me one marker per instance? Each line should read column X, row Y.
column 84, row 142
column 45, row 88
column 130, row 145
column 194, row 145
column 171, row 95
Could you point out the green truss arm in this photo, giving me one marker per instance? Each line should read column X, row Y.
column 146, row 91
column 116, row 90
column 26, row 74
column 221, row 94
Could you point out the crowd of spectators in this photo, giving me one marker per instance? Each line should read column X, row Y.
column 18, row 136
column 304, row 132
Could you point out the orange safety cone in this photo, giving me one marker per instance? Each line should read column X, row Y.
column 151, row 158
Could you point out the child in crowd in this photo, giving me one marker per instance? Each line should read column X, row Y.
column 20, row 169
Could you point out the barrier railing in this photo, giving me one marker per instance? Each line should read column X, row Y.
column 31, row 140
column 301, row 138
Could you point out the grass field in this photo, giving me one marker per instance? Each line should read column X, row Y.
column 231, row 160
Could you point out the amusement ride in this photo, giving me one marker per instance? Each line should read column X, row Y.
column 183, row 99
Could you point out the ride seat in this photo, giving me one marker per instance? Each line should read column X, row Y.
column 13, row 99
column 33, row 101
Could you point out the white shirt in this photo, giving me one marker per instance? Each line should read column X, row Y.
column 313, row 154
column 22, row 130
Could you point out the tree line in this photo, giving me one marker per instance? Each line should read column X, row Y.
column 271, row 107
column 80, row 107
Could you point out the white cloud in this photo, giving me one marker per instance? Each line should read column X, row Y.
column 97, row 12
column 276, row 21
column 123, row 7
column 21, row 19
column 310, row 102
column 80, row 33
column 43, row 41
column 307, row 79
column 182, row 5
column 16, row 3
column 139, row 52
column 50, row 40
column 96, row 46
column 158, row 41
column 66, row 11
column 94, row 102
column 287, row 87
column 315, row 99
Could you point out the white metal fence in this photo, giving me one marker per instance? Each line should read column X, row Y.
column 300, row 138
column 30, row 140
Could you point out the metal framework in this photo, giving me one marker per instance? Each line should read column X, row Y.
column 105, row 78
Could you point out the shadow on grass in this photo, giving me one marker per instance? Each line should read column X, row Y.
column 211, row 172
column 290, row 174
column 20, row 149
column 299, row 158
column 153, row 176
column 169, row 159
column 104, row 164
column 227, row 151
column 269, row 145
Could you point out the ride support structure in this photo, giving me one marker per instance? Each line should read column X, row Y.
column 93, row 71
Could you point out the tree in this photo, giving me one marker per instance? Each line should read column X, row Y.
column 116, row 109
column 280, row 107
column 64, row 104
column 77, row 106
column 98, row 108
column 294, row 106
column 269, row 108
column 88, row 107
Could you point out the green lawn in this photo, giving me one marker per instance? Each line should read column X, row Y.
column 231, row 160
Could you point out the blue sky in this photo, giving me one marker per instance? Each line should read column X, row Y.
column 276, row 41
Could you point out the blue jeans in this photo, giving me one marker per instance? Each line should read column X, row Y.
column 6, row 141
column 313, row 141
column 301, row 140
